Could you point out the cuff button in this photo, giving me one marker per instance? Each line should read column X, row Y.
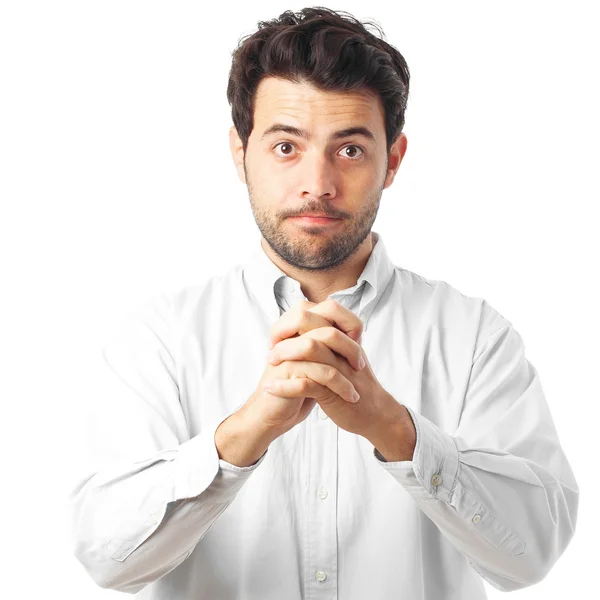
column 436, row 479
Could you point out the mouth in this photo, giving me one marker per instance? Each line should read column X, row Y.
column 312, row 220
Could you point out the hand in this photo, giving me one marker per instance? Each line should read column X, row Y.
column 306, row 315
column 323, row 373
column 320, row 344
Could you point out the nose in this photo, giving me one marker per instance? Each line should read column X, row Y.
column 318, row 177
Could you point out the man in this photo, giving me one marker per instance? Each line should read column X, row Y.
column 215, row 475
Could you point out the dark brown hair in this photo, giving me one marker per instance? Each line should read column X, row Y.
column 329, row 49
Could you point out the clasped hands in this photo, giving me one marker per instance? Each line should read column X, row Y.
column 328, row 335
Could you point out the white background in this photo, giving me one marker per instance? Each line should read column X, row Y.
column 116, row 182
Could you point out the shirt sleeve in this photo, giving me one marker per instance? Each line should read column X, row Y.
column 499, row 488
column 144, row 482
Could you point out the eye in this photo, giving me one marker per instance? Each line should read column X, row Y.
column 283, row 144
column 288, row 144
column 353, row 146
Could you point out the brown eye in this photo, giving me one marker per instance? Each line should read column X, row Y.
column 354, row 154
column 284, row 145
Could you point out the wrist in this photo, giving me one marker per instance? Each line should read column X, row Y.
column 395, row 435
column 241, row 443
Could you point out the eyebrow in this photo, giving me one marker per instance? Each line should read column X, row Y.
column 336, row 135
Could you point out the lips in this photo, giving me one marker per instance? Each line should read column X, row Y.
column 314, row 216
column 316, row 221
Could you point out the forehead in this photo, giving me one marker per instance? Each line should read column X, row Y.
column 277, row 99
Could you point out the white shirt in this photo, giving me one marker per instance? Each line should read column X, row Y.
column 489, row 494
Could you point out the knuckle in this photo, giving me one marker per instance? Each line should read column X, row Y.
column 304, row 385
column 305, row 317
column 330, row 373
column 333, row 334
column 312, row 345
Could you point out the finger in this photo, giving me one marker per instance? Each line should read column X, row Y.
column 324, row 345
column 301, row 318
column 325, row 375
column 340, row 317
column 301, row 387
column 298, row 320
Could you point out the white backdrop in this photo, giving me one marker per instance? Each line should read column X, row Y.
column 116, row 182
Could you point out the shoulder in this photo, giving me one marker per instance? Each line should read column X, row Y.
column 450, row 306
column 191, row 301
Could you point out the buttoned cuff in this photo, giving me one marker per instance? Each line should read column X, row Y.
column 229, row 467
column 198, row 468
column 433, row 470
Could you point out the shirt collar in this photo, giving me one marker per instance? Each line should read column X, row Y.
column 262, row 278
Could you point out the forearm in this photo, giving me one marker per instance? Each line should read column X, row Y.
column 510, row 516
column 123, row 507
column 240, row 442
column 129, row 565
column 395, row 436
column 164, row 505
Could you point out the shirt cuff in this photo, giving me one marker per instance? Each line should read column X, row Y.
column 433, row 470
column 229, row 467
column 198, row 468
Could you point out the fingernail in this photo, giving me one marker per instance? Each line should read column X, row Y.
column 270, row 356
column 355, row 396
column 361, row 363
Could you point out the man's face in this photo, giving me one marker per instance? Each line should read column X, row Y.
column 288, row 175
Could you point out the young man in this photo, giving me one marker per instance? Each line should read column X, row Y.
column 217, row 476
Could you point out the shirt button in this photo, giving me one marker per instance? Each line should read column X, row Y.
column 322, row 493
column 436, row 479
column 322, row 414
column 320, row 576
column 476, row 519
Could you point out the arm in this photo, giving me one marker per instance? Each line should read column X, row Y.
column 145, row 483
column 395, row 439
column 241, row 444
column 500, row 487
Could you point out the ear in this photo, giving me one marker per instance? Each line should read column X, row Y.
column 397, row 152
column 237, row 152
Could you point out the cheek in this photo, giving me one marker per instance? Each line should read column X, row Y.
column 360, row 181
column 275, row 187
column 272, row 194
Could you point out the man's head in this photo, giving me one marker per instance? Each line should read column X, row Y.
column 320, row 73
